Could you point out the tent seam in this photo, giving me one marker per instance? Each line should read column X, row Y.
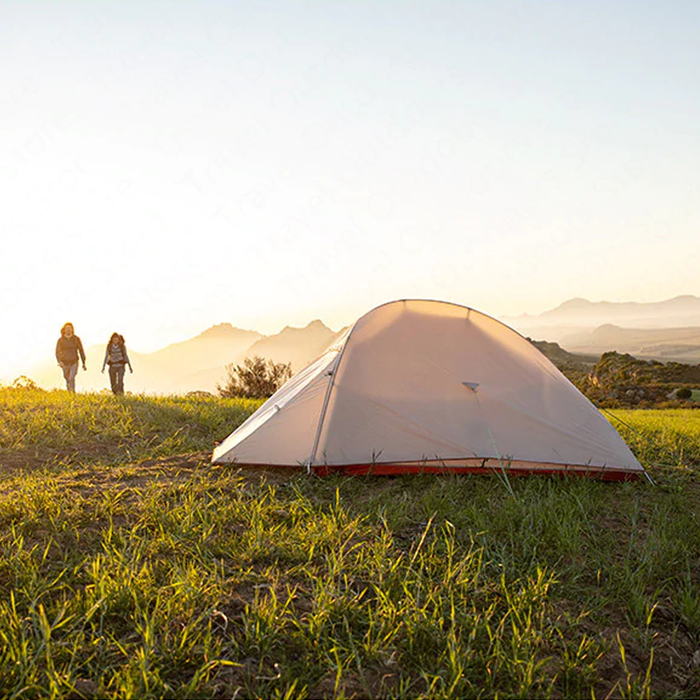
column 326, row 401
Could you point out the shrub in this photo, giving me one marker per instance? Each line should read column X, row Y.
column 256, row 378
column 684, row 393
column 24, row 382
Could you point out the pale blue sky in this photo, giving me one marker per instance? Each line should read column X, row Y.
column 165, row 166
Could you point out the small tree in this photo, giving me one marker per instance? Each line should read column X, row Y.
column 256, row 378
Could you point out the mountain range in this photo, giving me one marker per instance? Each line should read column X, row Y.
column 665, row 330
column 679, row 311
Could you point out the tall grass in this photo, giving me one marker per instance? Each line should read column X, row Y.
column 99, row 427
column 195, row 581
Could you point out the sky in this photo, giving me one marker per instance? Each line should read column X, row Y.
column 169, row 165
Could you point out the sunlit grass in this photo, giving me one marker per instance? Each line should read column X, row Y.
column 89, row 427
column 131, row 568
column 663, row 438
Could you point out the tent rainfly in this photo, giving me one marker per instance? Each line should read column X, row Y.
column 428, row 386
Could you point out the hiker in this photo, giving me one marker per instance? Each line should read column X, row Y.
column 69, row 350
column 117, row 358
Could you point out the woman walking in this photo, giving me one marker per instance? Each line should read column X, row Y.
column 69, row 350
column 117, row 358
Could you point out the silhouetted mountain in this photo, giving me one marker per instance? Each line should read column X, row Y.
column 296, row 345
column 197, row 363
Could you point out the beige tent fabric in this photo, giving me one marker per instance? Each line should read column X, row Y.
column 421, row 382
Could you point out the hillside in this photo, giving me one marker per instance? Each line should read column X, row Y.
column 617, row 379
column 130, row 567
column 622, row 380
column 567, row 362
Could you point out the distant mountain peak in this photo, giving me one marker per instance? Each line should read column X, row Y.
column 606, row 328
column 316, row 326
column 218, row 329
column 575, row 303
column 224, row 330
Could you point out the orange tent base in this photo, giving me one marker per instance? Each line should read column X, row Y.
column 480, row 466
column 476, row 466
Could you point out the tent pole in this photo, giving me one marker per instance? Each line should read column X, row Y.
column 327, row 398
column 322, row 417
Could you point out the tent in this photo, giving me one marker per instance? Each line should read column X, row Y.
column 429, row 386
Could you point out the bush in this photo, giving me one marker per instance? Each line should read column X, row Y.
column 256, row 378
column 24, row 382
column 684, row 393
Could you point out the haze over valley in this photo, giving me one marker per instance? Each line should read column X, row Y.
column 664, row 330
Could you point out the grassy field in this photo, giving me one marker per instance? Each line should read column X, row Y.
column 131, row 568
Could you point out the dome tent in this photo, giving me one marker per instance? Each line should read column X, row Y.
column 428, row 386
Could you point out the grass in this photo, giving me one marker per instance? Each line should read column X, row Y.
column 49, row 424
column 131, row 568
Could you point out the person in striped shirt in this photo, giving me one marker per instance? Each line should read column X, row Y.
column 117, row 358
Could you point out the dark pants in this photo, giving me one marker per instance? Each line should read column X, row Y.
column 116, row 378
